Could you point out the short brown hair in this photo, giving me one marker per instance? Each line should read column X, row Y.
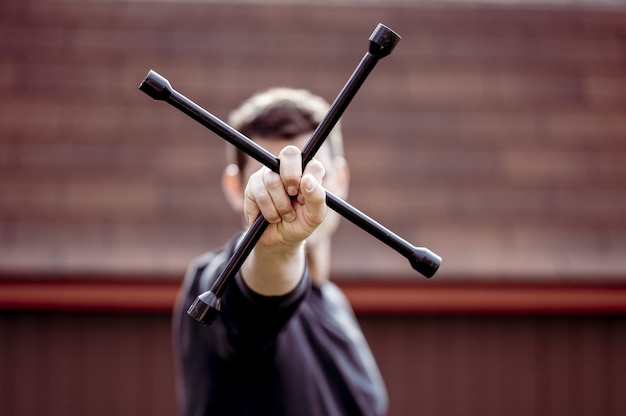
column 281, row 113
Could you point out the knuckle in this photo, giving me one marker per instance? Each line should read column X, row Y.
column 262, row 197
column 272, row 180
column 289, row 151
column 317, row 168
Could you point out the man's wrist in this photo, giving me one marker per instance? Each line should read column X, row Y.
column 272, row 271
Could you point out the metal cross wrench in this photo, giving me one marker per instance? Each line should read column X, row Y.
column 207, row 305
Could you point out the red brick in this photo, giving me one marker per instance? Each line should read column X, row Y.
column 492, row 134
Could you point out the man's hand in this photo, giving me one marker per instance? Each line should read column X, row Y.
column 294, row 203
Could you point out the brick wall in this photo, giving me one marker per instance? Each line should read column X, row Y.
column 492, row 135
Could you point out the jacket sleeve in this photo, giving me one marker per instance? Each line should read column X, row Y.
column 247, row 323
column 191, row 357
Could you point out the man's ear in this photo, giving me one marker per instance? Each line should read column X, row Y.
column 233, row 187
column 343, row 177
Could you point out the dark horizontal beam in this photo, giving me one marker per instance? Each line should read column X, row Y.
column 366, row 297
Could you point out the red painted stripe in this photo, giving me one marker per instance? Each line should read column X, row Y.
column 378, row 298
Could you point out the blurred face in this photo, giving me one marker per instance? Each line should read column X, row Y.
column 336, row 179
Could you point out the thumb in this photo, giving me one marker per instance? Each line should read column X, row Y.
column 314, row 197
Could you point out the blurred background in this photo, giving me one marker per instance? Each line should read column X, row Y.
column 494, row 135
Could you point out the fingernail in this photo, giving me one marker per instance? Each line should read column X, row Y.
column 290, row 217
column 292, row 190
